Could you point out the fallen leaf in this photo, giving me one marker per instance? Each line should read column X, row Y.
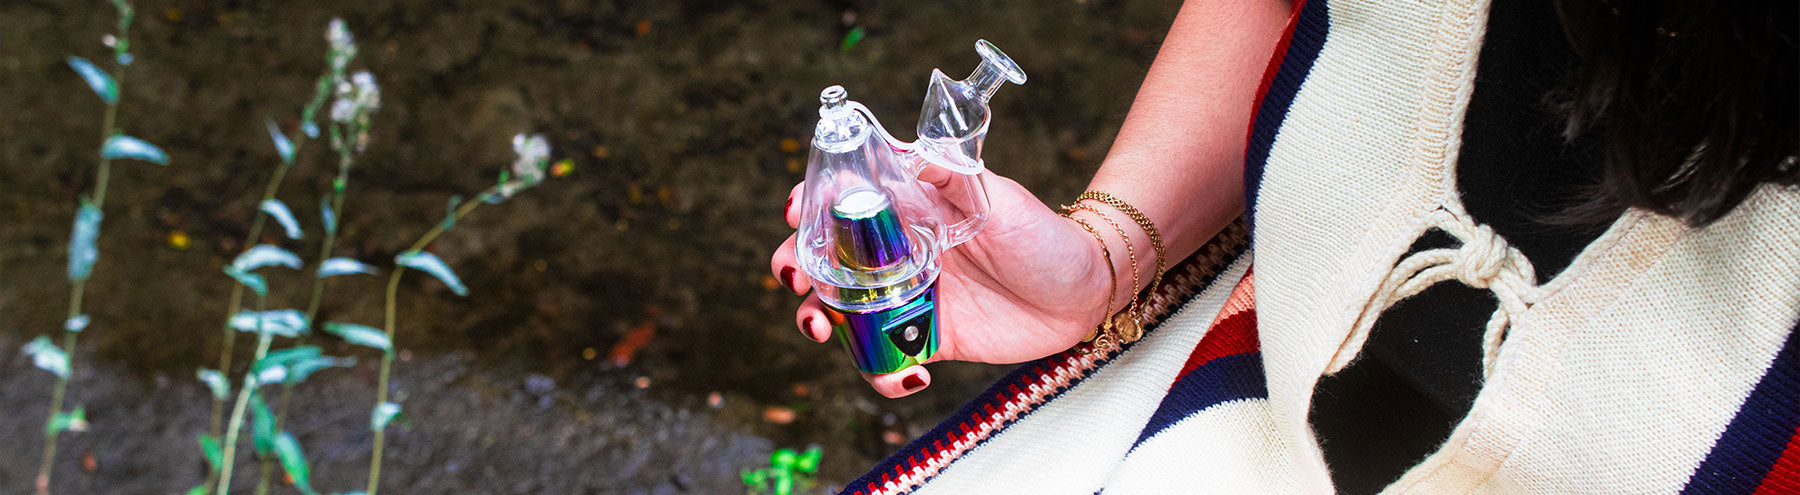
column 634, row 341
column 779, row 415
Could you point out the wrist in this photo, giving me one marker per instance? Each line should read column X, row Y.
column 1128, row 251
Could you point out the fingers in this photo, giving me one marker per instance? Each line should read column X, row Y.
column 812, row 320
column 900, row 383
column 792, row 210
column 787, row 270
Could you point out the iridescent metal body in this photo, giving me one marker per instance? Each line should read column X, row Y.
column 889, row 340
column 871, row 239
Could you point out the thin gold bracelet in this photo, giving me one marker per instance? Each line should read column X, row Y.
column 1102, row 336
column 1126, row 322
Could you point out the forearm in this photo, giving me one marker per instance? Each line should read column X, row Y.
column 1180, row 155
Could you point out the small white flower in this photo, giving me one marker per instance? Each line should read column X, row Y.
column 343, row 45
column 368, row 94
column 338, row 35
column 342, row 111
column 534, row 153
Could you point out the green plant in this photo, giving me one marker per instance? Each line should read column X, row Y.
column 530, row 169
column 357, row 97
column 86, row 231
column 788, row 471
column 286, row 366
column 287, row 147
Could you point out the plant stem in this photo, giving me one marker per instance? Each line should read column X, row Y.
column 103, row 172
column 387, row 359
column 237, row 411
column 312, row 308
column 229, row 341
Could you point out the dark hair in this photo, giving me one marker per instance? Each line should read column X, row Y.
column 1695, row 102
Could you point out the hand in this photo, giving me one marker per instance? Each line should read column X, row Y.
column 1029, row 285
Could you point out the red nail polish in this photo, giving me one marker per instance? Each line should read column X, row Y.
column 788, row 206
column 806, row 326
column 912, row 383
column 787, row 277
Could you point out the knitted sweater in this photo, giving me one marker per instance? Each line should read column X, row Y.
column 1664, row 359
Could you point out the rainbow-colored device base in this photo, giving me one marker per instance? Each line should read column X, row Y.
column 889, row 340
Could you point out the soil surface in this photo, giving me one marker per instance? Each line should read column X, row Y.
column 687, row 124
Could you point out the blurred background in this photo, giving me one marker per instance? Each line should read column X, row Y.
column 622, row 334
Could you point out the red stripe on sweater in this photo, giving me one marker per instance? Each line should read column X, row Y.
column 1233, row 330
column 1784, row 476
column 1274, row 67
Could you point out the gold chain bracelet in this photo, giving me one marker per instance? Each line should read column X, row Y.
column 1127, row 326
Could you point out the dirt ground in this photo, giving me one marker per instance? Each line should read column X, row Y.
column 675, row 116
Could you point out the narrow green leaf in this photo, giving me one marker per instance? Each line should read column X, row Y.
column 283, row 146
column 294, row 461
column 782, row 459
column 215, row 381
column 292, row 354
column 76, row 324
column 215, row 456
column 297, row 371
column 263, row 429
column 82, row 252
column 852, row 38
column 70, row 421
column 262, row 255
column 279, row 211
column 360, row 335
column 343, row 266
column 269, row 374
column 255, row 282
column 808, row 462
column 122, row 146
column 450, row 211
column 328, row 216
column 383, row 414
column 97, row 79
column 198, row 490
column 429, row 263
column 274, row 366
column 283, row 322
column 48, row 356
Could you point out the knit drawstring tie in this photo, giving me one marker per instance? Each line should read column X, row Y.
column 1483, row 261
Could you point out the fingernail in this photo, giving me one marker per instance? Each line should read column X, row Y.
column 806, row 327
column 788, row 206
column 912, row 383
column 787, row 278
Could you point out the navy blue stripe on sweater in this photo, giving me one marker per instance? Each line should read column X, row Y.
column 1309, row 32
column 1222, row 380
column 1754, row 440
column 909, row 458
